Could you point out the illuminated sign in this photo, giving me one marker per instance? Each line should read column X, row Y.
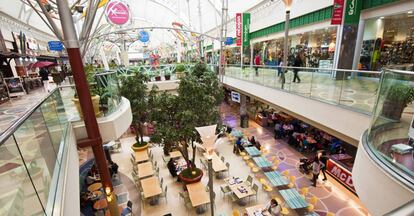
column 117, row 12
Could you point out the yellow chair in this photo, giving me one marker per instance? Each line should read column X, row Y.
column 278, row 200
column 236, row 212
column 250, row 164
column 255, row 169
column 263, row 181
column 284, row 211
column 275, row 166
column 292, row 181
column 304, row 191
column 267, row 187
column 312, row 203
column 242, row 154
column 246, row 158
column 276, row 162
column 330, row 214
column 286, row 173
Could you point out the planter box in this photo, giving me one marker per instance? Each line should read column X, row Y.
column 141, row 148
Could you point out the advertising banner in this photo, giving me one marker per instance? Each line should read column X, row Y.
column 143, row 36
column 235, row 96
column 246, row 29
column 117, row 12
column 340, row 174
column 55, row 45
column 228, row 41
column 353, row 11
column 338, row 10
column 238, row 29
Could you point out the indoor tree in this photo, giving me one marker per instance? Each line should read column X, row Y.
column 134, row 88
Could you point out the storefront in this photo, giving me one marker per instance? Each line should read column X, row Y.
column 388, row 41
column 316, row 47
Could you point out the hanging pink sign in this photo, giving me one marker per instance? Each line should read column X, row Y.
column 117, row 12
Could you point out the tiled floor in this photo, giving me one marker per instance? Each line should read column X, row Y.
column 332, row 196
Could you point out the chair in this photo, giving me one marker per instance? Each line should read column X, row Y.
column 255, row 169
column 225, row 189
column 222, row 158
column 164, row 194
column 143, row 199
column 262, row 181
column 157, row 170
column 152, row 157
column 249, row 180
column 256, row 190
column 184, row 196
column 236, row 212
column 304, row 191
column 217, row 153
column 162, row 182
column 330, row 214
column 292, row 181
column 207, row 188
column 246, row 158
column 234, row 198
column 279, row 201
column 228, row 168
column 250, row 164
column 133, row 162
column 274, row 167
column 312, row 203
column 267, row 187
column 133, row 157
column 286, row 173
column 155, row 163
column 164, row 159
column 242, row 154
column 284, row 211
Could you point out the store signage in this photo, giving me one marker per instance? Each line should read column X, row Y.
column 55, row 45
column 117, row 12
column 246, row 29
column 144, row 36
column 353, row 11
column 228, row 41
column 235, row 96
column 340, row 174
column 338, row 10
column 238, row 29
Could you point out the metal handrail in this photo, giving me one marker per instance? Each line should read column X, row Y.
column 19, row 122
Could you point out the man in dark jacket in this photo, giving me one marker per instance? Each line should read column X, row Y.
column 45, row 78
column 297, row 63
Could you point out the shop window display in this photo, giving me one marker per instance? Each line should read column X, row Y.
column 388, row 41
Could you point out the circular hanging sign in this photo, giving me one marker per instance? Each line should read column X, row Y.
column 144, row 36
column 117, row 12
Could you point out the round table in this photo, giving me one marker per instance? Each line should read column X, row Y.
column 100, row 204
column 94, row 187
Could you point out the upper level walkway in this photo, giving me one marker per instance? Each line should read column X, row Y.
column 341, row 107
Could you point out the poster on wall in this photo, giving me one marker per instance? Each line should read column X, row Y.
column 337, row 13
column 342, row 175
column 235, row 96
column 246, row 29
column 14, row 86
column 238, row 29
column 117, row 12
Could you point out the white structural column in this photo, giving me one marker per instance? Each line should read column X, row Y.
column 358, row 44
column 337, row 46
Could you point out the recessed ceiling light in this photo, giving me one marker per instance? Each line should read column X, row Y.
column 410, row 12
column 382, row 17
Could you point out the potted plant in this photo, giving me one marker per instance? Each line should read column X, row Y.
column 157, row 76
column 93, row 90
column 397, row 98
column 134, row 88
column 179, row 71
column 167, row 75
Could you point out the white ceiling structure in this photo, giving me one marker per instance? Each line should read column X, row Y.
column 195, row 15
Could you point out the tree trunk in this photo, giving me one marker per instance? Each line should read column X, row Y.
column 141, row 132
column 194, row 151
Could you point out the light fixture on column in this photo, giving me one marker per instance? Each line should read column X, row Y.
column 26, row 59
column 208, row 137
column 108, row 194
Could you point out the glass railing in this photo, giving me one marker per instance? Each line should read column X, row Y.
column 391, row 134
column 349, row 88
column 31, row 156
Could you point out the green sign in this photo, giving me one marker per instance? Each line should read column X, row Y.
column 353, row 11
column 246, row 30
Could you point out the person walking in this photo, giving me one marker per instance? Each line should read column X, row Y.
column 324, row 161
column 45, row 78
column 257, row 63
column 279, row 66
column 316, row 168
column 297, row 63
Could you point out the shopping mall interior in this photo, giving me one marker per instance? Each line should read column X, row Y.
column 207, row 107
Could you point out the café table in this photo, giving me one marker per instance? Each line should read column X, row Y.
column 100, row 204
column 175, row 154
column 218, row 164
column 141, row 156
column 145, row 170
column 198, row 195
column 242, row 191
column 233, row 180
column 276, row 179
column 252, row 151
column 262, row 162
column 151, row 188
column 94, row 187
column 257, row 210
column 293, row 199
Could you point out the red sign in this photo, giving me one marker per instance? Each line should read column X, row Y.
column 117, row 12
column 238, row 29
column 341, row 174
column 338, row 10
